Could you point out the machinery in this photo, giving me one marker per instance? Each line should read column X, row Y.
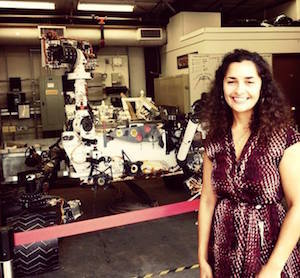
column 29, row 206
column 99, row 157
column 190, row 153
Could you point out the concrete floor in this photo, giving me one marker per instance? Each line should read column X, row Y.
column 129, row 251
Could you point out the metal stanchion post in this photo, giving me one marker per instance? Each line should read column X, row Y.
column 6, row 251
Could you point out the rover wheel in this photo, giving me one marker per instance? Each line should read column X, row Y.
column 38, row 257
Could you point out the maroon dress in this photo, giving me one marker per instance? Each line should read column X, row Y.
column 249, row 209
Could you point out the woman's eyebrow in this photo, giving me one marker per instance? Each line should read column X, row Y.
column 232, row 77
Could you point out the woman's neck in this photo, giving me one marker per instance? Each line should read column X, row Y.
column 241, row 120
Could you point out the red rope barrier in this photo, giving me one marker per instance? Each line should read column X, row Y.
column 105, row 222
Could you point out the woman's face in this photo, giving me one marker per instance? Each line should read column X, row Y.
column 242, row 86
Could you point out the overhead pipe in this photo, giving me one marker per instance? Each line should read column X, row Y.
column 23, row 35
column 92, row 17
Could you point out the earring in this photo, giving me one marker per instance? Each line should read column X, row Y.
column 262, row 100
column 222, row 99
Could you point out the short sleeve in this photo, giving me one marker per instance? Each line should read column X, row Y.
column 292, row 137
column 211, row 148
column 210, row 151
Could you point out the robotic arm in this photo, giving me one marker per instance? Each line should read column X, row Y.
column 187, row 140
column 191, row 160
column 78, row 59
column 194, row 125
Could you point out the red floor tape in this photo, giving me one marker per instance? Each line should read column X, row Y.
column 105, row 222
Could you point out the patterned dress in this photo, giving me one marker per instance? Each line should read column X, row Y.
column 249, row 209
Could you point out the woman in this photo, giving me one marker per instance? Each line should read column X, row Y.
column 252, row 161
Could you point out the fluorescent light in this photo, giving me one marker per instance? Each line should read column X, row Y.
column 27, row 5
column 105, row 7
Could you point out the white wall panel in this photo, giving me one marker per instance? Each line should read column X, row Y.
column 136, row 70
column 222, row 40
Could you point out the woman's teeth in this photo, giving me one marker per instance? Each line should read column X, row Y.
column 240, row 99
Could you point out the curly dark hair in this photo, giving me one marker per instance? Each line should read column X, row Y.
column 271, row 112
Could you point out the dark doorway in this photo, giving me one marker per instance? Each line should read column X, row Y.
column 286, row 70
column 152, row 68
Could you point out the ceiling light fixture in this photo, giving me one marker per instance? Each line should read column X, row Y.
column 105, row 7
column 27, row 5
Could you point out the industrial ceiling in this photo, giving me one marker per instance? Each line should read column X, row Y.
column 146, row 12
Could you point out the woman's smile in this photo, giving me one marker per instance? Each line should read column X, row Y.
column 241, row 86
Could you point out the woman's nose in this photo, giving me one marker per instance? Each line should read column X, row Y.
column 240, row 88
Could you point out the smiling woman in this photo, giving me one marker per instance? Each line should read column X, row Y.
column 251, row 162
column 270, row 109
column 242, row 86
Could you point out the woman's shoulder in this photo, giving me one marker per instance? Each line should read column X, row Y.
column 285, row 136
column 214, row 145
column 292, row 136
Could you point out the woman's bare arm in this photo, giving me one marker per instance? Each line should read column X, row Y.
column 206, row 210
column 289, row 169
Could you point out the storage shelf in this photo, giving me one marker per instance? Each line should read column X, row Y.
column 33, row 111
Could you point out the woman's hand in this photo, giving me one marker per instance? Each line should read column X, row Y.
column 269, row 272
column 205, row 270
